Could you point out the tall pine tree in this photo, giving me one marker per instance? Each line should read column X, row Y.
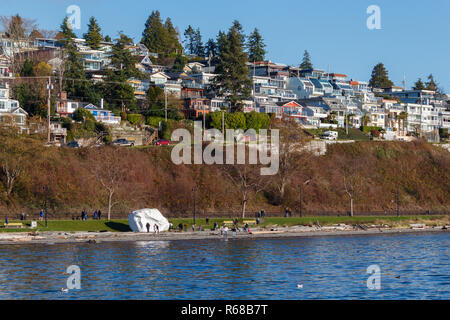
column 232, row 80
column 199, row 48
column 93, row 37
column 211, row 48
column 75, row 82
column 431, row 84
column 256, row 47
column 189, row 39
column 118, row 93
column 380, row 77
column 172, row 43
column 160, row 38
column 306, row 62
column 419, row 85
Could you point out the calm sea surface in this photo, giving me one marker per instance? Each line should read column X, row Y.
column 413, row 266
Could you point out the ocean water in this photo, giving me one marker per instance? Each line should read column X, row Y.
column 412, row 266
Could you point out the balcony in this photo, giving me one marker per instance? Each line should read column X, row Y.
column 108, row 119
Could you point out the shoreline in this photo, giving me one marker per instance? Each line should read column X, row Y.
column 98, row 237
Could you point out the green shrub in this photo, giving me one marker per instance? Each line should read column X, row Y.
column 134, row 118
column 153, row 121
column 81, row 114
column 89, row 125
column 257, row 121
column 235, row 120
column 368, row 129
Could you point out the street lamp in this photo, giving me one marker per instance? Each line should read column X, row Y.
column 301, row 194
column 195, row 189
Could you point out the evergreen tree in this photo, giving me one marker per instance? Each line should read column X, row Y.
column 256, row 47
column 66, row 32
column 155, row 36
column 199, row 48
column 238, row 26
column 232, row 79
column 118, row 93
column 306, row 62
column 431, row 84
column 179, row 63
column 419, row 85
column 27, row 69
column 93, row 37
column 75, row 82
column 211, row 48
column 221, row 42
column 108, row 38
column 380, row 78
column 189, row 35
column 173, row 44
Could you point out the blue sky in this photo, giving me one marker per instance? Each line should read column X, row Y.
column 413, row 40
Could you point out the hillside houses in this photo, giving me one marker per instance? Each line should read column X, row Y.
column 311, row 97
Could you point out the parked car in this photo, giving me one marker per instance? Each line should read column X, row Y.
column 123, row 142
column 73, row 144
column 330, row 135
column 162, row 142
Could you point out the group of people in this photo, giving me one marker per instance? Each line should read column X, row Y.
column 288, row 212
column 155, row 227
column 97, row 215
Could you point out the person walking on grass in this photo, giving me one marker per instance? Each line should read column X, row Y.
column 99, row 214
column 41, row 215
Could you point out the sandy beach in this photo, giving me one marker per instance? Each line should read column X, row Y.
column 287, row 232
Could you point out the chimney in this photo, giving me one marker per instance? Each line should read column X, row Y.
column 101, row 103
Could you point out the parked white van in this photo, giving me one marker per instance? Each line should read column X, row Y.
column 330, row 135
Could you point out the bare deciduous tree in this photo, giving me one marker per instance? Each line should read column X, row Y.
column 106, row 166
column 247, row 180
column 292, row 156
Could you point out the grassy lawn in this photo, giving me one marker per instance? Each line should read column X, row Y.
column 122, row 225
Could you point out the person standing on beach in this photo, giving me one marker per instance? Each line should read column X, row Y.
column 148, row 227
column 157, row 228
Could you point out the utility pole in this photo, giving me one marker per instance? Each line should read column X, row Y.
column 204, row 117
column 165, row 102
column 346, row 123
column 49, row 87
column 223, row 124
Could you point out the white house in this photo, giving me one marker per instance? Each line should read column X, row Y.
column 10, row 111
